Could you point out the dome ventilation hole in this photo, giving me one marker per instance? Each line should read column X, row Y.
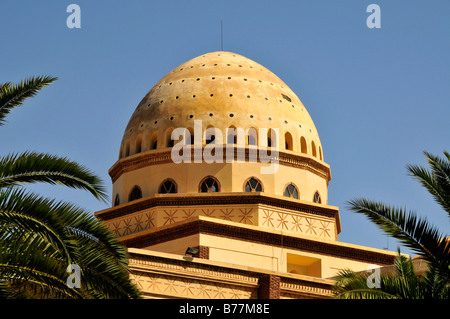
column 286, row 97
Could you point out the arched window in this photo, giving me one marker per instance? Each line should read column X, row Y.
column 303, row 147
column 213, row 135
column 168, row 186
column 271, row 138
column 127, row 149
column 209, row 185
column 169, row 140
column 253, row 185
column 117, row 200
column 139, row 144
column 231, row 135
column 252, row 138
column 154, row 141
column 190, row 140
column 210, row 138
column 291, row 191
column 316, row 198
column 313, row 146
column 136, row 193
column 288, row 141
column 320, row 153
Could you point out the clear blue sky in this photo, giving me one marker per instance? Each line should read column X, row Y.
column 378, row 97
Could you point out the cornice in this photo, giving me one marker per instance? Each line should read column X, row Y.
column 258, row 236
column 211, row 199
column 157, row 157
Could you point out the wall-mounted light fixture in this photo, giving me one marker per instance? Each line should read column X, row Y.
column 191, row 251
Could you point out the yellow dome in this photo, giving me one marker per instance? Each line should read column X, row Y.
column 222, row 89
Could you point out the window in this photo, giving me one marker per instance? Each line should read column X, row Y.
column 153, row 141
column 127, row 149
column 117, row 200
column 168, row 187
column 291, row 191
column 190, row 136
column 288, row 141
column 303, row 146
column 169, row 140
column 252, row 136
column 313, row 146
column 317, row 198
column 271, row 138
column 139, row 144
column 231, row 135
column 210, row 139
column 209, row 185
column 136, row 193
column 253, row 185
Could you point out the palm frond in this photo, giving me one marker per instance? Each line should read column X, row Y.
column 13, row 95
column 352, row 285
column 32, row 167
column 416, row 233
column 40, row 237
column 436, row 179
column 26, row 214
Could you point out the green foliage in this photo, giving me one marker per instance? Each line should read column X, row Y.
column 413, row 232
column 40, row 237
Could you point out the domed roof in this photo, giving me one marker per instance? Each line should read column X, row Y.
column 223, row 89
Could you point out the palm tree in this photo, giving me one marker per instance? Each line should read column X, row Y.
column 41, row 239
column 414, row 232
column 402, row 283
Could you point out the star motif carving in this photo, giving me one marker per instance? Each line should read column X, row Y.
column 246, row 217
column 116, row 228
column 170, row 216
column 268, row 218
column 149, row 218
column 310, row 226
column 324, row 229
column 127, row 227
column 227, row 213
column 282, row 221
column 138, row 223
column 208, row 212
column 188, row 213
column 297, row 226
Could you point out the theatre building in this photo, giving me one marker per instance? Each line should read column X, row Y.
column 243, row 215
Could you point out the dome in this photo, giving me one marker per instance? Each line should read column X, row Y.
column 225, row 92
column 222, row 89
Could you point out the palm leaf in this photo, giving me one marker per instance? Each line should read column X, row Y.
column 436, row 180
column 352, row 285
column 32, row 167
column 13, row 95
column 40, row 237
column 414, row 232
column 26, row 214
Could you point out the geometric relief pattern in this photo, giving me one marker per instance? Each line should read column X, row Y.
column 282, row 220
column 156, row 217
column 175, row 286
column 296, row 223
column 299, row 291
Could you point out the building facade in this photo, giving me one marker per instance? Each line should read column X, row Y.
column 222, row 157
